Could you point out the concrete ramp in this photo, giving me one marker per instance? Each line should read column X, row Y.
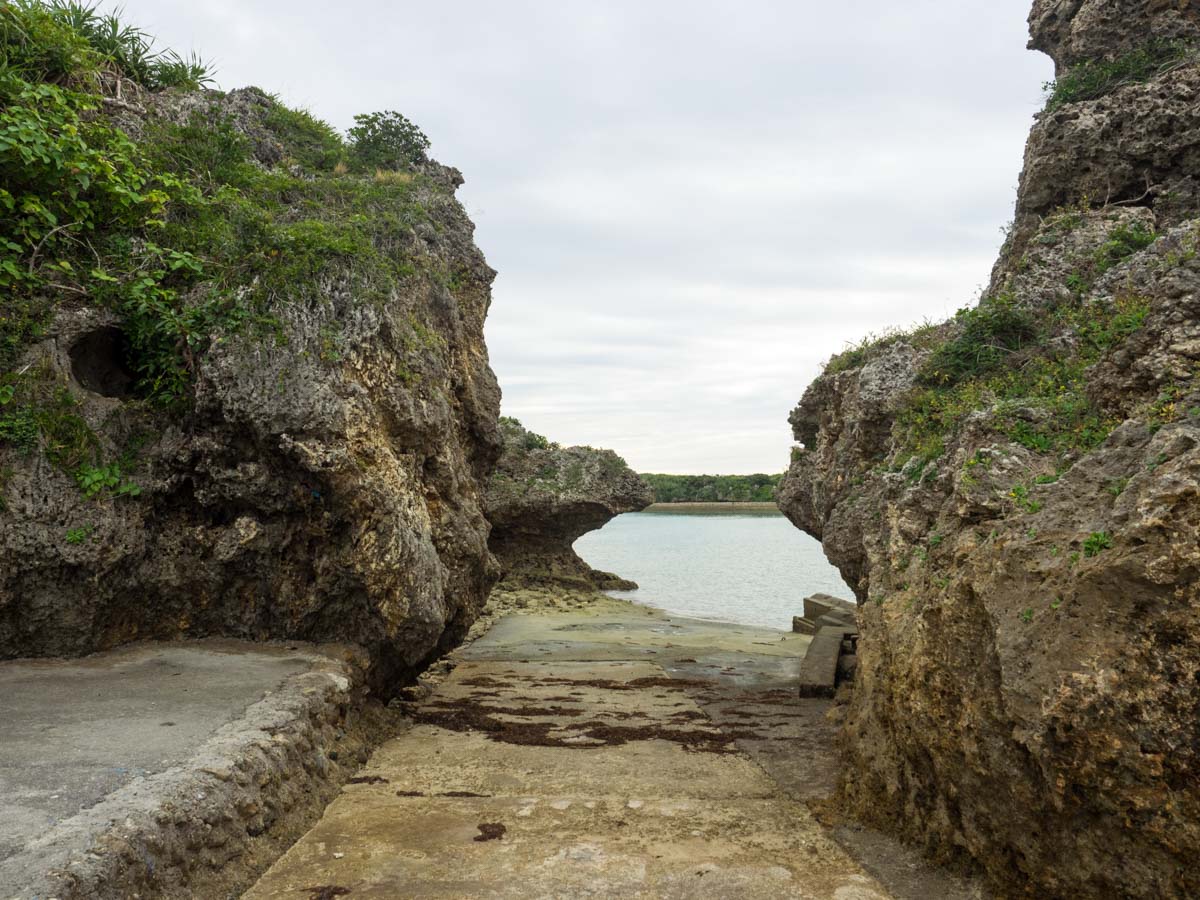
column 610, row 752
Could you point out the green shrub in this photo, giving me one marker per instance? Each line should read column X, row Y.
column 19, row 428
column 96, row 481
column 988, row 335
column 1123, row 241
column 36, row 413
column 207, row 153
column 74, row 190
column 1051, row 377
column 386, row 140
column 1095, row 78
column 534, row 441
column 513, row 429
column 312, row 143
column 1102, row 327
column 856, row 355
column 1020, row 496
column 79, row 535
column 68, row 42
column 179, row 232
column 1097, row 542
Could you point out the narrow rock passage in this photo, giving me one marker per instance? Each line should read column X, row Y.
column 611, row 752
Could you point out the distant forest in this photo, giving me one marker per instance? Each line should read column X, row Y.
column 713, row 488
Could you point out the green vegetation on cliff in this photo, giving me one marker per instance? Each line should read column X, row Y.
column 514, row 432
column 1095, row 78
column 713, row 488
column 189, row 215
column 1024, row 364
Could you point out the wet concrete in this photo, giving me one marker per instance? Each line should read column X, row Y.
column 610, row 752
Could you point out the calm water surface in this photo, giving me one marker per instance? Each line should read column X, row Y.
column 750, row 566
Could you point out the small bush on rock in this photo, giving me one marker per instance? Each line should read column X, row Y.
column 990, row 333
column 1097, row 543
column 1123, row 241
column 386, row 140
column 1095, row 78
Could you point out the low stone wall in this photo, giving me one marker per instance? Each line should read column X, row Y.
column 209, row 827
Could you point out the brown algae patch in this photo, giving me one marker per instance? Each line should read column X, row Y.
column 464, row 715
column 490, row 831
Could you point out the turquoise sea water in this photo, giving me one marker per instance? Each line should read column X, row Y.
column 750, row 566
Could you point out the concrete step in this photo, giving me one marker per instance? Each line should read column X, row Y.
column 819, row 668
column 821, row 604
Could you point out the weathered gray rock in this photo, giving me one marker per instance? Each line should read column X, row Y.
column 543, row 497
column 1138, row 146
column 1026, row 675
column 1074, row 31
column 326, row 483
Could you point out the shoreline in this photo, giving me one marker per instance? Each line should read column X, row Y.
column 713, row 504
column 621, row 598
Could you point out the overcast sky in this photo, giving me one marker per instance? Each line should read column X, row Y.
column 691, row 204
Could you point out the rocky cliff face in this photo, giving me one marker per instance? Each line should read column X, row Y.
column 542, row 498
column 1015, row 498
column 321, row 475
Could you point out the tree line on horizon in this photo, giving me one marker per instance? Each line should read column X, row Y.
column 758, row 488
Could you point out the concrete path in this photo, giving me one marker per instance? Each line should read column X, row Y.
column 614, row 752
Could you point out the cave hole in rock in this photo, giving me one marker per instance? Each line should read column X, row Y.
column 98, row 362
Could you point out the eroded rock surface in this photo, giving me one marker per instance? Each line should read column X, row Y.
column 1138, row 144
column 542, row 498
column 1076, row 31
column 325, row 480
column 1015, row 498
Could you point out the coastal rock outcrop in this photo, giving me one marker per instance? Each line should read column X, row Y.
column 542, row 498
column 1133, row 141
column 1074, row 32
column 309, row 462
column 1014, row 496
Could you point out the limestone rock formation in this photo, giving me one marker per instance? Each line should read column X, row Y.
column 1135, row 145
column 543, row 497
column 1015, row 498
column 323, row 477
column 1078, row 31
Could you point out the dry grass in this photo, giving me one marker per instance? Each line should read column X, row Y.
column 387, row 176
